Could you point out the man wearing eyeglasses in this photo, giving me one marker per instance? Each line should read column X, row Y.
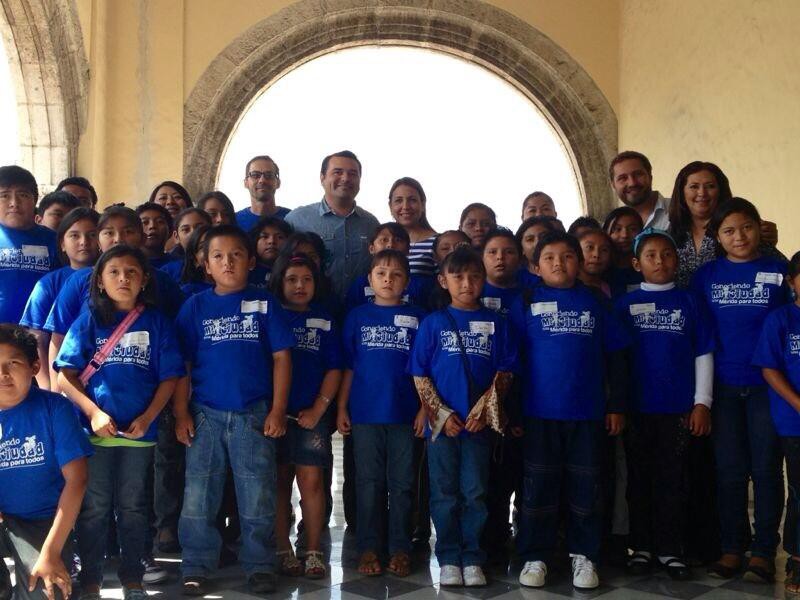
column 262, row 179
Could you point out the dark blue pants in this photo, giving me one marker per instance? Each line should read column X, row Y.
column 791, row 533
column 561, row 455
column 384, row 461
column 746, row 446
column 117, row 485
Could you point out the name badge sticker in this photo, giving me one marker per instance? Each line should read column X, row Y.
column 484, row 327
column 406, row 321
column 252, row 306
column 643, row 309
column 492, row 303
column 368, row 291
column 37, row 251
column 543, row 308
column 773, row 278
column 323, row 324
column 135, row 338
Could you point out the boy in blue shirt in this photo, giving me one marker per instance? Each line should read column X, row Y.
column 673, row 377
column 43, row 470
column 237, row 349
column 566, row 327
column 27, row 250
column 52, row 209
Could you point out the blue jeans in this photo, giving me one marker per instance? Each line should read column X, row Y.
column 117, row 484
column 459, row 474
column 222, row 439
column 384, row 462
column 747, row 446
column 561, row 455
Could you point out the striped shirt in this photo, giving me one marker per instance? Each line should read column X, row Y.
column 420, row 257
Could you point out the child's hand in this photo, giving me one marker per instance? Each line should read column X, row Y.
column 308, row 418
column 700, row 420
column 184, row 428
column 453, row 426
column 615, row 423
column 138, row 428
column 103, row 425
column 419, row 423
column 275, row 424
column 343, row 422
column 475, row 425
column 51, row 570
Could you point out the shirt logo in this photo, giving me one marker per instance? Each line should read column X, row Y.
column 225, row 329
column 387, row 337
column 794, row 344
column 27, row 258
column 14, row 453
column 569, row 321
column 475, row 342
column 661, row 319
column 133, row 348
column 731, row 294
column 307, row 339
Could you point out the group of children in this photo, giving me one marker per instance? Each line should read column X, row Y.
column 516, row 361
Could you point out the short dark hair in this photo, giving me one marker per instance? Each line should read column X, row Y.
column 680, row 219
column 231, row 231
column 340, row 154
column 726, row 209
column 556, row 237
column 275, row 222
column 192, row 210
column 503, row 232
column 79, row 182
column 158, row 208
column 75, row 215
column 21, row 339
column 476, row 206
column 222, row 198
column 621, row 211
column 391, row 256
column 629, row 155
column 103, row 307
column 174, row 185
column 260, row 157
column 395, row 229
column 120, row 211
column 192, row 271
column 65, row 199
column 439, row 236
column 537, row 194
column 282, row 264
column 794, row 265
column 581, row 222
column 545, row 221
column 12, row 175
column 305, row 237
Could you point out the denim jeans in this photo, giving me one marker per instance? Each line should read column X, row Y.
column 561, row 455
column 117, row 485
column 791, row 532
column 24, row 540
column 225, row 438
column 384, row 460
column 459, row 475
column 747, row 446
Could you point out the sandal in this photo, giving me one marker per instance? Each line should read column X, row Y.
column 315, row 567
column 640, row 563
column 399, row 564
column 369, row 564
column 288, row 564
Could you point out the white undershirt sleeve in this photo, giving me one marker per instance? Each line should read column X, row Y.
column 704, row 379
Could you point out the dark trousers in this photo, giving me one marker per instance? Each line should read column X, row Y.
column 556, row 453
column 657, row 452
column 505, row 478
column 24, row 539
column 702, row 520
column 169, row 466
column 747, row 446
column 348, row 482
column 421, row 513
column 791, row 533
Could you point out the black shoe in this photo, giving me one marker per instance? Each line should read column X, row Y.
column 262, row 583
column 720, row 571
column 6, row 591
column 758, row 574
column 639, row 563
column 676, row 569
column 195, row 586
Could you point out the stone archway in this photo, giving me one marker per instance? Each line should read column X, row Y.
column 50, row 72
column 470, row 29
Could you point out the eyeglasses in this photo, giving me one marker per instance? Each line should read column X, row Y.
column 268, row 175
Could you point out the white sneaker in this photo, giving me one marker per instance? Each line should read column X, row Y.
column 474, row 577
column 153, row 572
column 533, row 573
column 450, row 575
column 584, row 573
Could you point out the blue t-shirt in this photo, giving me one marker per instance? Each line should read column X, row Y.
column 173, row 268
column 739, row 297
column 566, row 334
column 42, row 298
column 246, row 220
column 417, row 293
column 377, row 342
column 487, row 342
column 779, row 348
column 195, row 287
column 125, row 384
column 38, row 437
column 259, row 276
column 230, row 341
column 26, row 255
column 669, row 330
column 526, row 279
column 165, row 259
column 73, row 299
column 498, row 299
column 317, row 350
